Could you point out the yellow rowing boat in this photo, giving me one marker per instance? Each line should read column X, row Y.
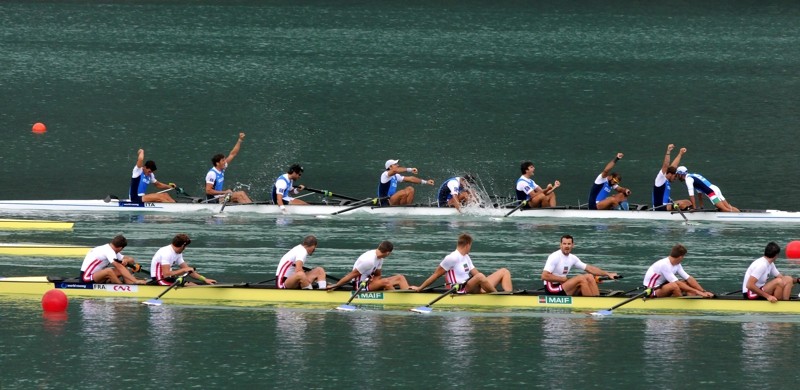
column 250, row 294
column 34, row 224
column 43, row 250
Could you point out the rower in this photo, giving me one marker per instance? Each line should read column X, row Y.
column 291, row 269
column 701, row 184
column 369, row 269
column 755, row 284
column 144, row 174
column 388, row 193
column 456, row 192
column 556, row 269
column 661, row 274
column 161, row 272
column 662, row 200
column 215, row 178
column 284, row 187
column 601, row 196
column 106, row 264
column 459, row 270
column 533, row 195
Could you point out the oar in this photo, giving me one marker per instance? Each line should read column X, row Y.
column 330, row 194
column 521, row 205
column 180, row 191
column 167, row 190
column 331, row 277
column 647, row 291
column 347, row 306
column 157, row 300
column 361, row 203
column 213, row 199
column 327, row 276
column 427, row 308
column 136, row 267
column 732, row 292
column 267, row 281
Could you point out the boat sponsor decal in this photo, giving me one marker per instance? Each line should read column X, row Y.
column 376, row 296
column 120, row 288
column 78, row 286
column 134, row 204
column 555, row 300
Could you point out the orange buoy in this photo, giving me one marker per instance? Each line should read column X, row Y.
column 54, row 300
column 39, row 128
column 793, row 250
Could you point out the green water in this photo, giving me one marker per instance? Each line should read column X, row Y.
column 444, row 86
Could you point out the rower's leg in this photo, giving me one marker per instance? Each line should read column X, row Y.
column 501, row 277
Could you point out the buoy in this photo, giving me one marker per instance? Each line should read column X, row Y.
column 793, row 250
column 54, row 300
column 39, row 128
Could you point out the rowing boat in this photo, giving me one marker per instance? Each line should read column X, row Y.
column 571, row 212
column 43, row 250
column 250, row 294
column 33, row 224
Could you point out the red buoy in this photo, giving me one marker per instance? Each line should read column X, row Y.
column 54, row 300
column 793, row 250
column 39, row 128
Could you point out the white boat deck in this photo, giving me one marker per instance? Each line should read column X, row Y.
column 319, row 210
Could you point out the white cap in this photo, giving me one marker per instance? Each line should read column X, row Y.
column 682, row 170
column 389, row 163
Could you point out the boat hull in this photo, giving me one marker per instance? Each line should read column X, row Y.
column 238, row 295
column 319, row 210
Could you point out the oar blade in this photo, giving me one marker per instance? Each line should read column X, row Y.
column 153, row 302
column 601, row 313
column 346, row 307
column 422, row 309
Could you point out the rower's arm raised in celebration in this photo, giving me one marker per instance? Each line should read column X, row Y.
column 611, row 165
column 235, row 149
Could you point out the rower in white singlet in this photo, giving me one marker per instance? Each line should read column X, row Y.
column 661, row 277
column 557, row 267
column 106, row 264
column 291, row 272
column 368, row 269
column 458, row 269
